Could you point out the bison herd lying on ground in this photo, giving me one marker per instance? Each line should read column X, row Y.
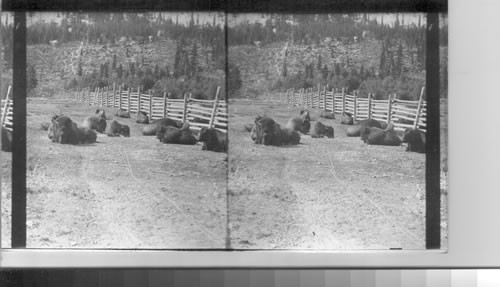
column 266, row 131
column 63, row 130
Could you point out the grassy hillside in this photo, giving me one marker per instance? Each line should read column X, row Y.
column 261, row 66
column 57, row 65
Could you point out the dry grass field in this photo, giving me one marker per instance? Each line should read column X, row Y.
column 324, row 193
column 119, row 192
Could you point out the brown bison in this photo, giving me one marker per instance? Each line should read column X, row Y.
column 347, row 119
column 96, row 122
column 213, row 140
column 378, row 136
column 289, row 137
column 305, row 115
column 100, row 113
column 173, row 135
column 299, row 124
column 6, row 140
column 152, row 128
column 355, row 130
column 123, row 114
column 116, row 129
column 320, row 130
column 267, row 132
column 327, row 115
column 142, row 118
column 415, row 139
column 65, row 131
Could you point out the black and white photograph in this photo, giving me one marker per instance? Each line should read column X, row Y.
column 126, row 130
column 237, row 131
column 328, row 131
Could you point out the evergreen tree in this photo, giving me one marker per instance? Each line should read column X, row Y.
column 131, row 67
column 113, row 65
column 284, row 71
column 194, row 60
column 399, row 60
column 79, row 69
column 106, row 70
column 324, row 72
column 119, row 71
column 337, row 69
column 157, row 71
column 382, row 65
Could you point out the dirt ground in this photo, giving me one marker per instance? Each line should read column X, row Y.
column 324, row 193
column 118, row 193
column 138, row 193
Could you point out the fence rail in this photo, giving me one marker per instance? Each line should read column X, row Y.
column 7, row 118
column 199, row 113
column 404, row 114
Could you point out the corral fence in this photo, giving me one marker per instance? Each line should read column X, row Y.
column 404, row 114
column 199, row 113
column 6, row 103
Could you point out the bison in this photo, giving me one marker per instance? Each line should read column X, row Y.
column 123, row 114
column 96, row 122
column 65, row 131
column 347, row 119
column 299, row 124
column 100, row 113
column 152, row 128
column 173, row 135
column 142, row 118
column 319, row 130
column 378, row 136
column 415, row 139
column 266, row 131
column 355, row 130
column 116, row 129
column 6, row 140
column 327, row 115
column 289, row 137
column 305, row 115
column 213, row 140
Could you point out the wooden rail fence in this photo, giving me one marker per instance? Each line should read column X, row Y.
column 6, row 104
column 199, row 113
column 404, row 114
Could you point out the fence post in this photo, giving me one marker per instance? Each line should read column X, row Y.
column 105, row 97
column 319, row 96
column 419, row 108
column 310, row 103
column 355, row 95
column 151, row 105
column 138, row 99
column 343, row 100
column 214, row 110
column 184, row 110
column 389, row 109
column 165, row 104
column 120, row 97
column 369, row 105
column 324, row 99
column 128, row 101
